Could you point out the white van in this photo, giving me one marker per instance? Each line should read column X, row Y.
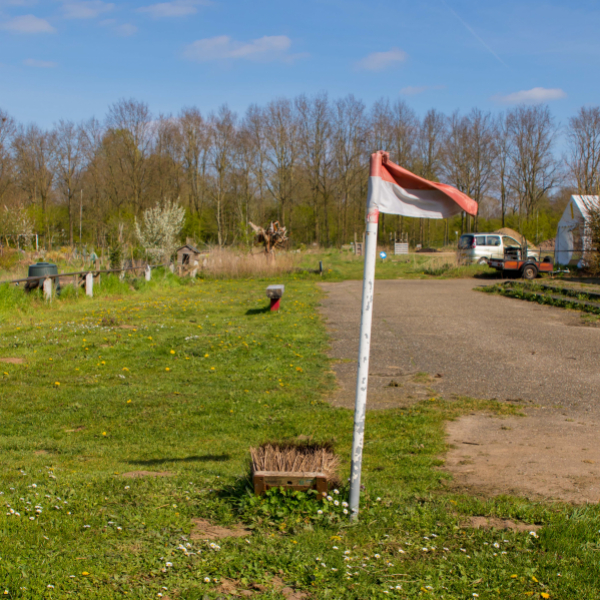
column 480, row 247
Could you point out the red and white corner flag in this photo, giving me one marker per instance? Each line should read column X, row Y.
column 396, row 191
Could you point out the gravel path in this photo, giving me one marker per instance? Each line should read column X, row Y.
column 478, row 345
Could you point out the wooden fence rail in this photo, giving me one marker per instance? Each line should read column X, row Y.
column 80, row 278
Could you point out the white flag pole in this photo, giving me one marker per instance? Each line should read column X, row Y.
column 362, row 377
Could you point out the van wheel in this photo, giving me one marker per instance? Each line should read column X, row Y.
column 529, row 272
column 482, row 261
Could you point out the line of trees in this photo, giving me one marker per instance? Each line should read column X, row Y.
column 302, row 161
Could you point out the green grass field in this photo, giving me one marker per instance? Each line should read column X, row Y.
column 339, row 265
column 183, row 377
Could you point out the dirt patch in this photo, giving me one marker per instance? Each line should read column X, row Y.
column 494, row 523
column 232, row 587
column 542, row 455
column 80, row 428
column 12, row 361
column 205, row 530
column 40, row 452
column 134, row 474
column 127, row 327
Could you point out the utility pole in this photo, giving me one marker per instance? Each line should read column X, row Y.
column 80, row 216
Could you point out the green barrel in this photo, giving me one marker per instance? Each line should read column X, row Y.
column 39, row 270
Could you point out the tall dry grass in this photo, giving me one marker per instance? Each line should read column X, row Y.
column 223, row 263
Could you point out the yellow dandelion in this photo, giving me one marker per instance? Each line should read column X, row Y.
column 57, row 383
column 125, row 369
column 167, row 369
column 85, row 573
column 172, row 351
column 206, row 356
column 212, row 368
column 128, row 401
column 104, row 433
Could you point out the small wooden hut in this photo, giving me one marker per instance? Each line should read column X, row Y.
column 188, row 259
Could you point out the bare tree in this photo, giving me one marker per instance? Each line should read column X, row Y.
column 195, row 136
column 314, row 137
column 503, row 164
column 349, row 150
column 470, row 153
column 534, row 167
column 280, row 130
column 430, row 144
column 33, row 151
column 245, row 179
column 68, row 162
column 223, row 134
column 130, row 124
column 165, row 177
column 7, row 132
column 94, row 176
column 583, row 161
column 405, row 128
column 254, row 139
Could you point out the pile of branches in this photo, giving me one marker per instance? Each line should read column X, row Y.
column 273, row 237
column 296, row 458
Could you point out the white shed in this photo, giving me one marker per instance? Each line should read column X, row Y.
column 573, row 236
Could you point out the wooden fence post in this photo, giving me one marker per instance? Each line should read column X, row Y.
column 89, row 285
column 47, row 287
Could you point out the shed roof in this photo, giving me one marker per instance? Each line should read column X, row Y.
column 577, row 210
column 189, row 247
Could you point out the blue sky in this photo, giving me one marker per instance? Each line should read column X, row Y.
column 71, row 58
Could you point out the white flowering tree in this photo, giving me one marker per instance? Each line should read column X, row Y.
column 15, row 225
column 160, row 228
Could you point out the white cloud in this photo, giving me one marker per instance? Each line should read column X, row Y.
column 176, row 8
column 17, row 3
column 414, row 90
column 378, row 61
column 267, row 48
column 126, row 29
column 536, row 95
column 28, row 24
column 85, row 9
column 40, row 64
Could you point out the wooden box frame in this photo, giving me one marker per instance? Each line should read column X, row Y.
column 298, row 481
